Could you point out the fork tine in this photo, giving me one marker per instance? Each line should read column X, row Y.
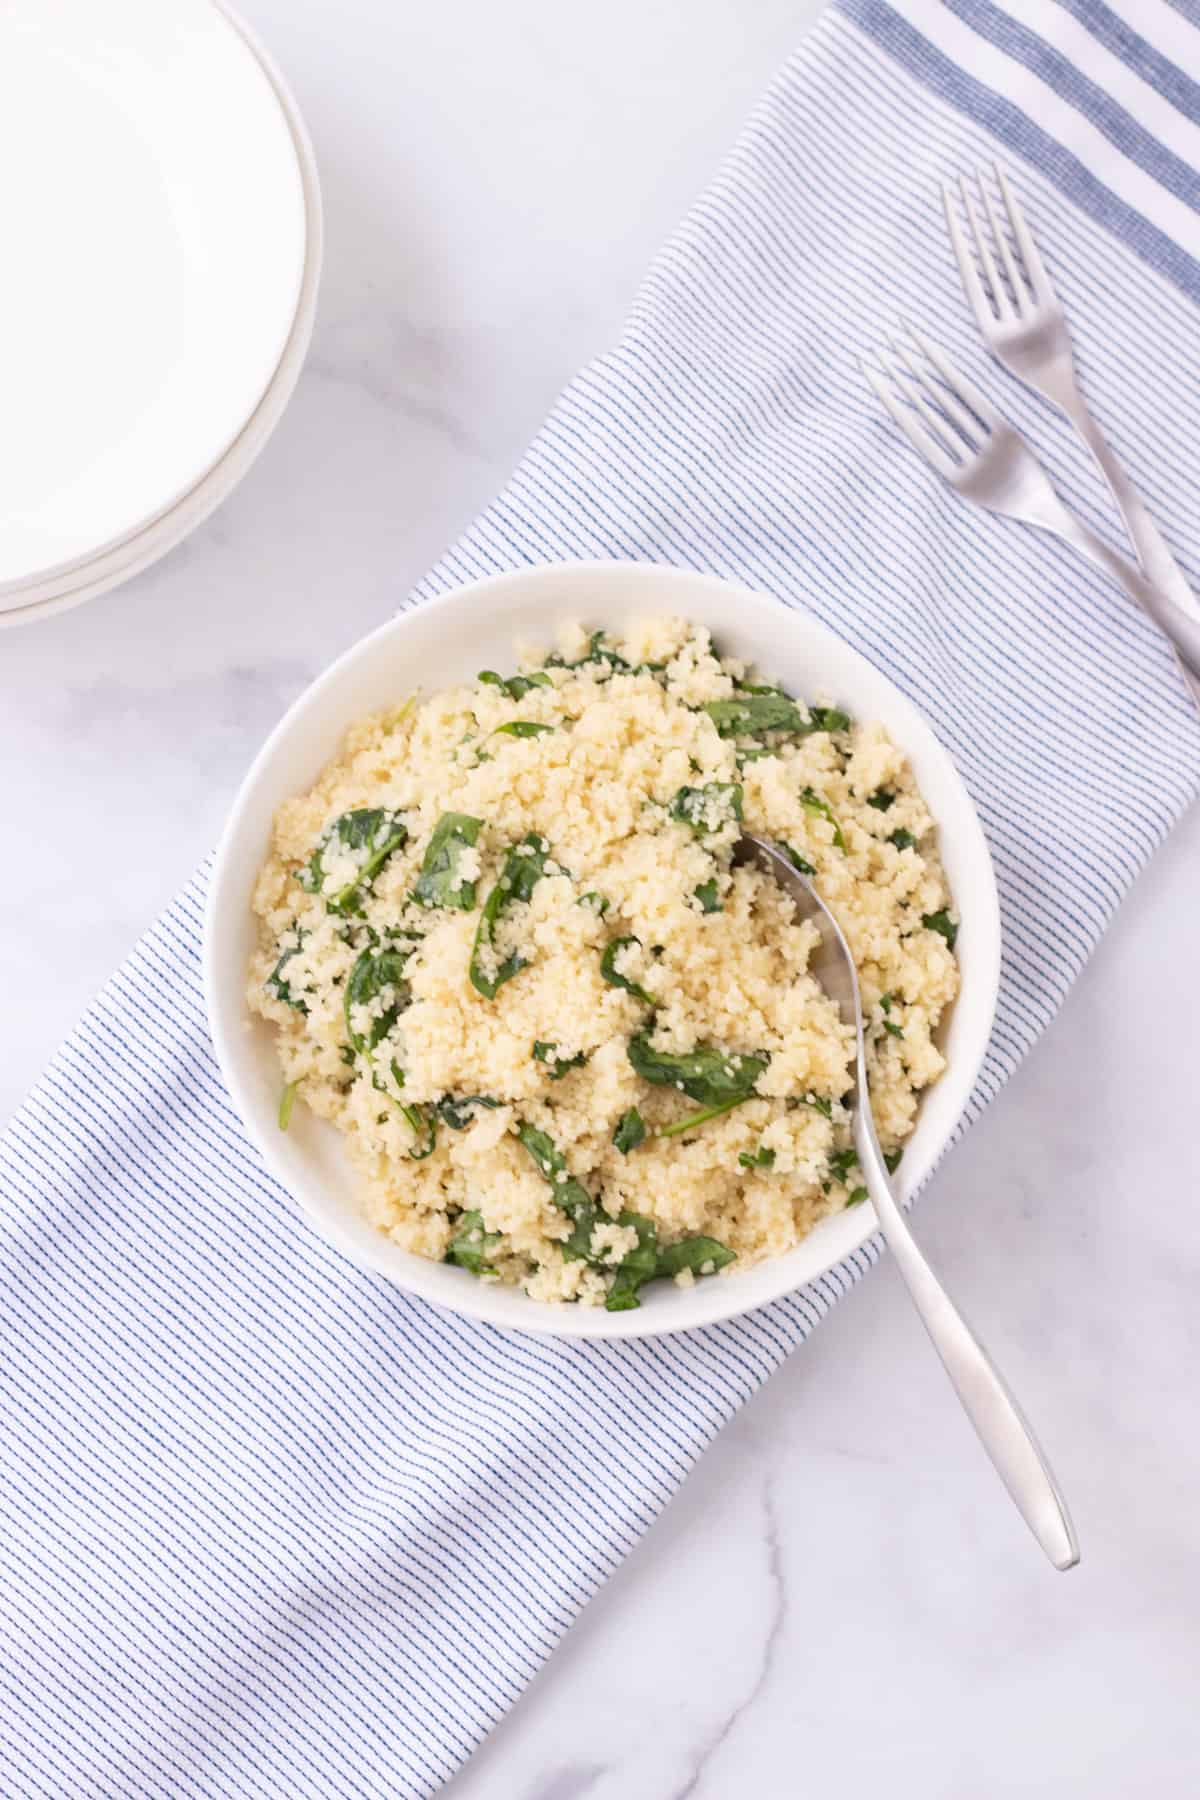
column 921, row 440
column 966, row 262
column 916, row 396
column 1039, row 281
column 1020, row 290
column 969, row 428
column 1000, row 301
column 957, row 382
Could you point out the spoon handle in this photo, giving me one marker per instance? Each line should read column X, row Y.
column 1002, row 1427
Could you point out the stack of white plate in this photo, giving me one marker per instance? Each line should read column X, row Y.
column 161, row 225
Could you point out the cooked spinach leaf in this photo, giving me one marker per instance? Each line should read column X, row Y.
column 371, row 834
column 439, row 883
column 646, row 1261
column 708, row 808
column 377, row 975
column 569, row 1195
column 882, row 799
column 521, row 728
column 573, row 1199
column 472, row 1245
column 889, row 1025
column 678, row 1127
column 358, row 829
column 755, row 710
column 556, row 1065
column 757, row 1159
column 630, row 1131
column 818, row 1102
column 710, row 1076
column 599, row 651
column 524, row 866
column 610, row 973
column 597, row 902
column 749, row 713
column 892, row 1160
column 943, row 924
column 459, row 1113
column 841, row 1162
column 696, row 1254
column 903, row 840
column 422, row 1121
column 281, row 988
column 515, row 686
column 812, row 802
column 840, row 1165
column 636, row 1267
column 829, row 718
column 652, row 1261
column 707, row 896
column 794, row 857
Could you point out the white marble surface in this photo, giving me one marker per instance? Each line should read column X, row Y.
column 840, row 1601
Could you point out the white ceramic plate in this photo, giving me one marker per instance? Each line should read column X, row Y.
column 446, row 641
column 58, row 593
column 155, row 245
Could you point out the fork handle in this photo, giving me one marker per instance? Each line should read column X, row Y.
column 1156, row 559
column 1182, row 628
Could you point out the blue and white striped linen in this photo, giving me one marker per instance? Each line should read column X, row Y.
column 273, row 1528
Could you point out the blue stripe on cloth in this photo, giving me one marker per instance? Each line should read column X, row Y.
column 273, row 1527
column 1164, row 76
column 1123, row 131
column 1013, row 127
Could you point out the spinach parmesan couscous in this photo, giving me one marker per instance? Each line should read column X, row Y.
column 571, row 1046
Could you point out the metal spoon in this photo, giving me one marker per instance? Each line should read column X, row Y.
column 1005, row 1434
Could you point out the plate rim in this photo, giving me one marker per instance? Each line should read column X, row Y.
column 64, row 588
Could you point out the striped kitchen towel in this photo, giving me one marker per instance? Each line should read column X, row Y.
column 273, row 1528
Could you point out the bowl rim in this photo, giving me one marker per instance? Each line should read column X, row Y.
column 708, row 1302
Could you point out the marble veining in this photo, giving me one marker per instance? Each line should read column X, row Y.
column 771, row 1630
column 840, row 1601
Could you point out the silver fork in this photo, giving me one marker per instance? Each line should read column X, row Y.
column 960, row 434
column 1023, row 324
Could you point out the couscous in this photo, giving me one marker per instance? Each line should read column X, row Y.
column 571, row 1046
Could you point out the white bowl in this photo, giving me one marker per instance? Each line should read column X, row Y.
column 448, row 640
